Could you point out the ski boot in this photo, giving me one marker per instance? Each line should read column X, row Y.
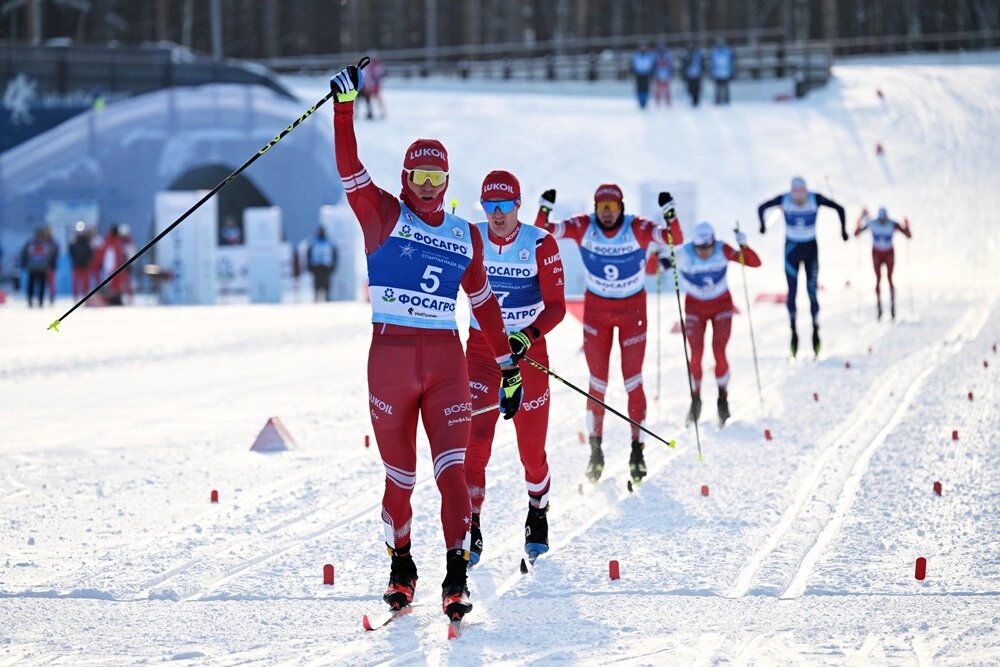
column 596, row 464
column 892, row 303
column 536, row 532
column 879, row 303
column 476, row 545
column 637, row 462
column 723, row 404
column 816, row 339
column 402, row 578
column 795, row 342
column 695, row 412
column 454, row 589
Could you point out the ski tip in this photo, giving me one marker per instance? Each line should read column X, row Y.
column 524, row 566
column 629, row 485
column 365, row 623
column 455, row 629
column 579, row 489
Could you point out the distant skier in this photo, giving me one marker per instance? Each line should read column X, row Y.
column 800, row 207
column 643, row 64
column 526, row 274
column 613, row 247
column 882, row 229
column 702, row 264
column 418, row 256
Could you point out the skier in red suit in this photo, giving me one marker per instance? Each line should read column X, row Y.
column 418, row 256
column 613, row 247
column 526, row 274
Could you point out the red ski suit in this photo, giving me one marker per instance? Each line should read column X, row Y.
column 601, row 315
column 532, row 420
column 417, row 372
column 719, row 311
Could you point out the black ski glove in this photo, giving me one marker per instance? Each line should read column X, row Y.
column 346, row 83
column 510, row 391
column 667, row 206
column 547, row 201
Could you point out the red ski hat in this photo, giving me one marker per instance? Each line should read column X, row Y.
column 500, row 185
column 608, row 192
column 426, row 152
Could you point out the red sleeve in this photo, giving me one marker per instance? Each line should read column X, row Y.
column 905, row 230
column 647, row 231
column 484, row 304
column 750, row 258
column 376, row 209
column 574, row 228
column 552, row 281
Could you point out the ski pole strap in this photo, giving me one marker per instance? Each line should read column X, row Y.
column 669, row 443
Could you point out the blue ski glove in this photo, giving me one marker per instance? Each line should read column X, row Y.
column 510, row 391
column 346, row 83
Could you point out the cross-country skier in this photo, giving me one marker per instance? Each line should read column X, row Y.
column 613, row 247
column 418, row 255
column 800, row 207
column 702, row 264
column 882, row 229
column 526, row 274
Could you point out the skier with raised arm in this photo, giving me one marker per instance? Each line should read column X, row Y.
column 800, row 208
column 418, row 256
column 883, row 254
column 613, row 246
column 526, row 274
column 702, row 264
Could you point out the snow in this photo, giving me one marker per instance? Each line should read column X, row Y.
column 115, row 431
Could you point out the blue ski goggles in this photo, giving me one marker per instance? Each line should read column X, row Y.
column 505, row 205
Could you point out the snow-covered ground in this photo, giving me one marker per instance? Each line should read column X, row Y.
column 114, row 432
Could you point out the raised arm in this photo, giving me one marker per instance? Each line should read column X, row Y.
column 376, row 209
column 775, row 201
column 862, row 222
column 552, row 281
column 750, row 258
column 904, row 228
column 824, row 201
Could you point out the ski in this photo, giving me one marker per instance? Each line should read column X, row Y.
column 455, row 628
column 528, row 562
column 382, row 619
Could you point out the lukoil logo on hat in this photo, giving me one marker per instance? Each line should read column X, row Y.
column 500, row 185
column 608, row 192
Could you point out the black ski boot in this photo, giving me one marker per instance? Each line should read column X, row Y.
column 476, row 546
column 723, row 404
column 795, row 342
column 536, row 531
column 695, row 412
column 892, row 302
column 402, row 578
column 596, row 465
column 816, row 339
column 637, row 462
column 454, row 589
column 879, row 303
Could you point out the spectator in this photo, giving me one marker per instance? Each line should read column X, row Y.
column 128, row 247
column 230, row 234
column 109, row 256
column 663, row 72
column 723, row 69
column 50, row 275
column 37, row 259
column 692, row 74
column 371, row 88
column 81, row 254
column 321, row 261
column 643, row 63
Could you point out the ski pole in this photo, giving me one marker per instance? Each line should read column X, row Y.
column 909, row 270
column 659, row 327
column 552, row 374
column 684, row 339
column 753, row 342
column 226, row 181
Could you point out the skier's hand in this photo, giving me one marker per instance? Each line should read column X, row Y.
column 667, row 206
column 520, row 343
column 547, row 201
column 763, row 229
column 510, row 391
column 843, row 233
column 741, row 239
column 666, row 262
column 346, row 83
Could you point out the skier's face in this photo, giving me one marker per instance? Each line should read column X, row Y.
column 426, row 190
column 704, row 251
column 608, row 212
column 799, row 196
column 501, row 224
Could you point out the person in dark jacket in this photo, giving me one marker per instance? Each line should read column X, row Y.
column 692, row 74
column 37, row 258
column 81, row 253
column 321, row 261
column 722, row 65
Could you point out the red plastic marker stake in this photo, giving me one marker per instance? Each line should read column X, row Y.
column 986, row 364
column 368, row 442
column 970, row 395
column 215, row 496
column 937, row 488
column 704, row 489
column 767, row 434
column 613, row 570
column 582, row 438
column 954, row 435
column 920, row 571
column 878, row 149
column 815, row 396
column 847, row 364
column 869, row 349
column 328, row 575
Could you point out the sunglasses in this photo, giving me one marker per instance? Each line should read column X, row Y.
column 504, row 205
column 421, row 176
column 612, row 206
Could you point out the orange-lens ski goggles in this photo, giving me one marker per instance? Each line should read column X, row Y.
column 421, row 176
column 612, row 206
